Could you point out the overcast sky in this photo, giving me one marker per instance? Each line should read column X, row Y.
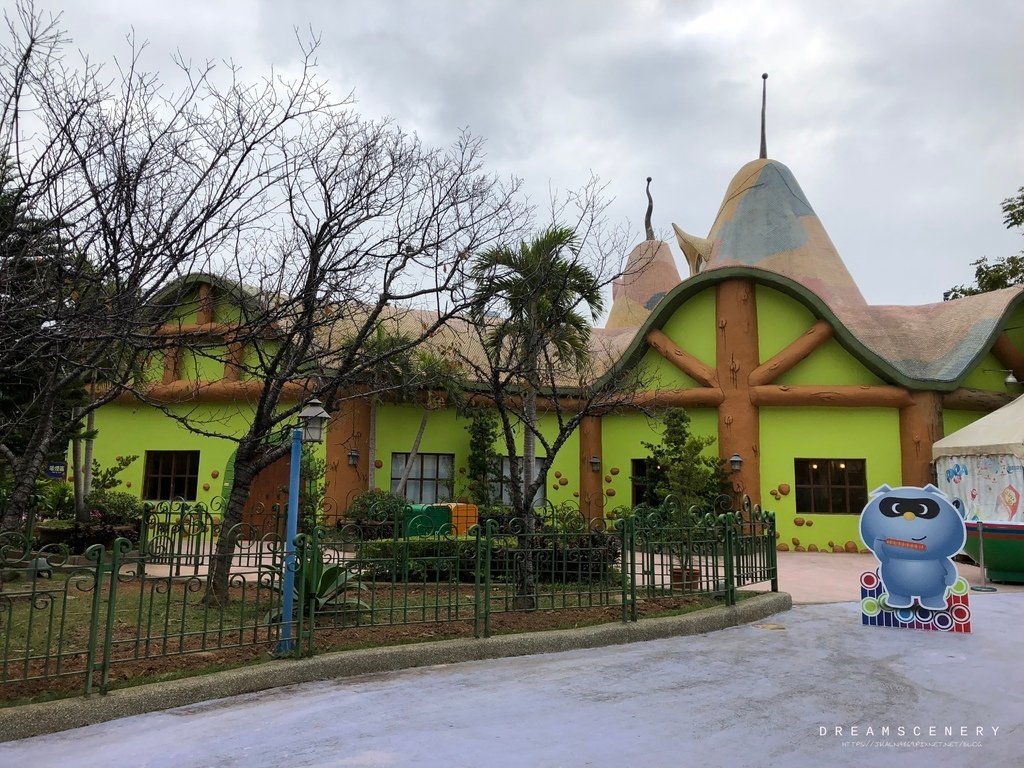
column 902, row 121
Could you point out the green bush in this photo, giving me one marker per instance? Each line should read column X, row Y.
column 59, row 499
column 563, row 559
column 377, row 506
column 420, row 558
column 115, row 507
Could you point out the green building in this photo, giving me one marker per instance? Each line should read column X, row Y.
column 768, row 344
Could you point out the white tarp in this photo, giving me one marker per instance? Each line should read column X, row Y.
column 983, row 465
column 1000, row 433
column 990, row 487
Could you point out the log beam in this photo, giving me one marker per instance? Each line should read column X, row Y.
column 591, row 487
column 789, row 357
column 920, row 426
column 696, row 369
column 849, row 396
column 704, row 397
column 736, row 357
column 348, row 429
column 171, row 360
column 965, row 399
column 212, row 392
column 204, row 314
column 233, row 362
column 218, row 330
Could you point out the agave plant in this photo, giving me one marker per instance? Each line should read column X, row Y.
column 320, row 584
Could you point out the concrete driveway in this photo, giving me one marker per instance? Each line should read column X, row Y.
column 819, row 577
column 810, row 687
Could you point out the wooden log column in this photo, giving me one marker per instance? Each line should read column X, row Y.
column 591, row 488
column 736, row 358
column 920, row 427
column 349, row 428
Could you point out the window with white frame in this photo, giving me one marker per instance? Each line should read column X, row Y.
column 430, row 477
column 501, row 486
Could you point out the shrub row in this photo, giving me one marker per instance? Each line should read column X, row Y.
column 587, row 557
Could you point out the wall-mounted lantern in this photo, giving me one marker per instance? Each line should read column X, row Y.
column 736, row 462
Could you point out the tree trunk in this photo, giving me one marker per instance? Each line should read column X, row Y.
column 371, row 447
column 220, row 561
column 407, row 470
column 25, row 473
column 529, row 447
column 78, row 477
column 526, row 579
column 90, row 425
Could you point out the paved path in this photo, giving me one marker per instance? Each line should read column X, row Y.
column 819, row 577
column 767, row 694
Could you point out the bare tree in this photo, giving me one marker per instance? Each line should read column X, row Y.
column 368, row 242
column 135, row 184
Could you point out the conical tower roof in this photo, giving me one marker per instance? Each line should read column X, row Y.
column 649, row 274
column 766, row 222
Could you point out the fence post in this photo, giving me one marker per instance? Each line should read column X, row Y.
column 773, row 555
column 729, row 555
column 628, row 580
column 302, row 562
column 120, row 548
column 489, row 527
column 314, row 560
column 95, row 553
column 478, row 566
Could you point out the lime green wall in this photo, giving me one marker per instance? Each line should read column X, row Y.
column 659, row 373
column 125, row 430
column 225, row 310
column 829, row 364
column 781, row 321
column 692, row 326
column 987, row 374
column 202, row 365
column 622, row 438
column 821, row 433
column 446, row 433
column 954, row 420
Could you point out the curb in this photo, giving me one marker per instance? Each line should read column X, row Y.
column 51, row 717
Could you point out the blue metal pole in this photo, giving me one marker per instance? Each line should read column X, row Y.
column 287, row 644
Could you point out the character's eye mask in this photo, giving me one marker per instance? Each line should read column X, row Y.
column 924, row 508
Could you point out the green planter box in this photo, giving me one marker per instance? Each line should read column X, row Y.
column 425, row 519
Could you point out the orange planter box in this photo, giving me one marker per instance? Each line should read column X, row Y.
column 464, row 517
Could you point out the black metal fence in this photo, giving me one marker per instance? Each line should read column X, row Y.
column 130, row 608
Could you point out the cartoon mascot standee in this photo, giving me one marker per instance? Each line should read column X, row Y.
column 914, row 533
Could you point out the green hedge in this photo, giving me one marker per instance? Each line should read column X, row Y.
column 586, row 557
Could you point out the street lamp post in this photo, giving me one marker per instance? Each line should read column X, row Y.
column 310, row 430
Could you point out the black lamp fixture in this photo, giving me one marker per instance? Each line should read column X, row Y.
column 311, row 420
column 353, row 457
column 736, row 462
column 595, row 464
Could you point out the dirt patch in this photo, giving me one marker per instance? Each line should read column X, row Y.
column 192, row 658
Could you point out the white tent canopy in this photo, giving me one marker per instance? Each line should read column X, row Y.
column 1000, row 433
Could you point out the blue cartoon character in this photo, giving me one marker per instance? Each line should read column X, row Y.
column 914, row 532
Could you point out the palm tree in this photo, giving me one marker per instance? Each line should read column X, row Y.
column 537, row 303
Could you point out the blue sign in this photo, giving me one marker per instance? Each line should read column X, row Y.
column 56, row 470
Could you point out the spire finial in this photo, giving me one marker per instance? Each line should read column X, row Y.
column 764, row 98
column 650, row 210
